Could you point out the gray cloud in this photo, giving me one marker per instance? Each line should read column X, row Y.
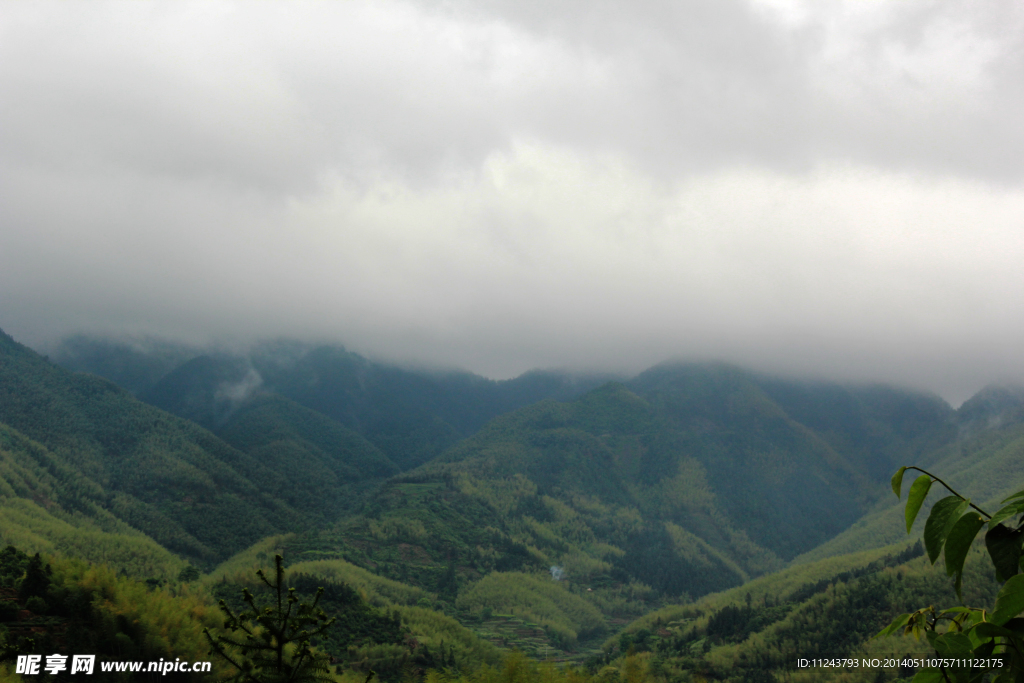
column 819, row 188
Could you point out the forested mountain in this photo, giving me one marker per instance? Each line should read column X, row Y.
column 133, row 364
column 687, row 480
column 833, row 599
column 775, row 450
column 827, row 609
column 543, row 513
column 47, row 505
column 106, row 456
column 986, row 461
column 411, row 415
column 872, row 426
column 326, row 467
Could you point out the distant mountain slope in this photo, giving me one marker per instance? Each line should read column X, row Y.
column 47, row 505
column 411, row 415
column 690, row 479
column 325, row 466
column 178, row 483
column 827, row 609
column 874, row 427
column 133, row 364
column 986, row 464
column 206, row 389
column 779, row 450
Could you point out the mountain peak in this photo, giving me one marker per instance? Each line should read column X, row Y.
column 995, row 405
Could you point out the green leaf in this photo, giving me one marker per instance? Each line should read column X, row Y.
column 897, row 623
column 1004, row 548
column 959, row 539
column 978, row 641
column 1010, row 601
column 1019, row 494
column 957, row 610
column 897, row 481
column 943, row 515
column 959, row 542
column 1006, row 512
column 953, row 645
column 987, row 629
column 915, row 499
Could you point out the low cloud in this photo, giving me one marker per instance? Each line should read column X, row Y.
column 234, row 394
column 813, row 188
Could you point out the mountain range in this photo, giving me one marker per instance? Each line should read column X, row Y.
column 578, row 502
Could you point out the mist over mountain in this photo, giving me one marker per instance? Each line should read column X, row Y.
column 110, row 456
column 411, row 415
column 752, row 469
column 816, row 190
column 581, row 332
column 556, row 512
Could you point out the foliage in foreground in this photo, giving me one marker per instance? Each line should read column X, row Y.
column 757, row 632
column 50, row 605
column 271, row 643
column 379, row 626
column 996, row 637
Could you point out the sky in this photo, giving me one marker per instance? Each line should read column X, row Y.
column 831, row 188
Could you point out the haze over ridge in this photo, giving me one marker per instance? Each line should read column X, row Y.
column 811, row 188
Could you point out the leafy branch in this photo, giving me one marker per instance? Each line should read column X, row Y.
column 995, row 638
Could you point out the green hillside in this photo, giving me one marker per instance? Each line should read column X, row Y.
column 59, row 605
column 699, row 483
column 411, row 415
column 383, row 625
column 987, row 461
column 116, row 463
column 831, row 608
column 47, row 506
column 834, row 607
column 326, row 468
column 50, row 604
column 727, row 519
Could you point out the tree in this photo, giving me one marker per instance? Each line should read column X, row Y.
column 272, row 644
column 189, row 573
column 992, row 641
column 36, row 581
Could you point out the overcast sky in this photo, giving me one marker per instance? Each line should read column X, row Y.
column 820, row 188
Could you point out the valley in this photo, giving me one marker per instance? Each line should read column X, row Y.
column 698, row 521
